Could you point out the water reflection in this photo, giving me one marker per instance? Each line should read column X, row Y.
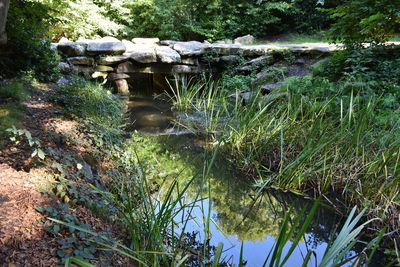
column 238, row 212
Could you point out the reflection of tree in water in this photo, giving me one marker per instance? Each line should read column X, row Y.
column 239, row 212
column 249, row 218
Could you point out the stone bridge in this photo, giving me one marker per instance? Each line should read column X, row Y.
column 119, row 61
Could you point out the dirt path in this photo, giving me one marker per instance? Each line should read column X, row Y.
column 23, row 241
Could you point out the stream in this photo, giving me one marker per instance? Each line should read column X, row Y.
column 238, row 214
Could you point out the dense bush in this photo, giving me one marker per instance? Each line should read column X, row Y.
column 365, row 21
column 27, row 49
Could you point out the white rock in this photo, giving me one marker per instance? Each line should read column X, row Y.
column 145, row 40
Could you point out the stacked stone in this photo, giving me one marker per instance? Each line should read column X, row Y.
column 116, row 60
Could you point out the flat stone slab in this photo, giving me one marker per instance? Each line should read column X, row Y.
column 222, row 49
column 111, row 60
column 72, row 48
column 192, row 48
column 166, row 54
column 81, row 60
column 142, row 53
column 106, row 46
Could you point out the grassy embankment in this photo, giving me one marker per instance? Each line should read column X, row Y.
column 334, row 133
column 151, row 237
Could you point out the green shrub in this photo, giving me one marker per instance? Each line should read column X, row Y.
column 14, row 89
column 89, row 101
column 26, row 49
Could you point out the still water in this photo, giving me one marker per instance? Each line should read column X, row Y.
column 239, row 215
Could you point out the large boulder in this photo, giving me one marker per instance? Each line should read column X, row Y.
column 192, row 48
column 107, row 46
column 142, row 53
column 244, row 40
column 168, row 55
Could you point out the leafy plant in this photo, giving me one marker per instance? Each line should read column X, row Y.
column 17, row 136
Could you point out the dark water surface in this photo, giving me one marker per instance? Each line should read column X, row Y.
column 238, row 214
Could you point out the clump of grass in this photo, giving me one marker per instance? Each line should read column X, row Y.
column 10, row 114
column 317, row 137
column 91, row 102
column 14, row 89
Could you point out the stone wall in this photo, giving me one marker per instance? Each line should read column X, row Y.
column 117, row 60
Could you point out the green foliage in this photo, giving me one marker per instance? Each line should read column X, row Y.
column 19, row 135
column 27, row 49
column 15, row 89
column 365, row 21
column 90, row 101
column 178, row 20
column 75, row 243
column 10, row 114
column 84, row 19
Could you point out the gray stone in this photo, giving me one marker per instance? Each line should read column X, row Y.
column 300, row 61
column 72, row 49
column 142, row 53
column 53, row 46
column 191, row 48
column 81, row 60
column 122, row 87
column 145, row 40
column 247, row 39
column 118, row 76
column 128, row 45
column 263, row 60
column 168, row 42
column 194, row 61
column 111, row 60
column 230, row 60
column 64, row 80
column 267, row 88
column 107, row 45
column 185, row 69
column 130, row 67
column 101, row 68
column 166, row 54
column 65, row 68
column 82, row 69
column 222, row 49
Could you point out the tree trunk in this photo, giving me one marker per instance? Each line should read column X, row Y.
column 4, row 4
